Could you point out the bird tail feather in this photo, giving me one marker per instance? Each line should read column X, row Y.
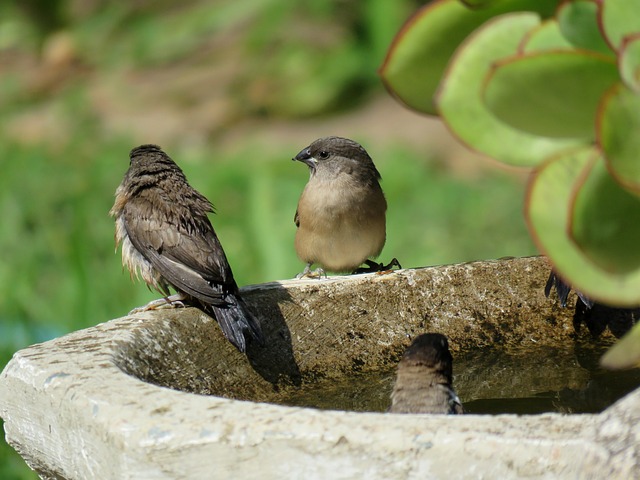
column 236, row 320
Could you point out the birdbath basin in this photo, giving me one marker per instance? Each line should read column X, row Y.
column 163, row 395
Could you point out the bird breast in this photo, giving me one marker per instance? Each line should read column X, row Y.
column 341, row 224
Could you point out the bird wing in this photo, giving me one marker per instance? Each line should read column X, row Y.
column 189, row 257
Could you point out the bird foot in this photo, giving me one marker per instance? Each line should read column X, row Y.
column 308, row 273
column 380, row 268
column 173, row 301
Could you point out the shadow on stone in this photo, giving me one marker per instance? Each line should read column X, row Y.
column 185, row 350
column 275, row 361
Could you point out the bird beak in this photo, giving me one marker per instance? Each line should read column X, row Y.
column 305, row 157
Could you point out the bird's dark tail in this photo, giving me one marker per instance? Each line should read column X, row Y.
column 236, row 320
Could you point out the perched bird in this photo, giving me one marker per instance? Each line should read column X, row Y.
column 341, row 212
column 167, row 238
column 424, row 378
column 595, row 315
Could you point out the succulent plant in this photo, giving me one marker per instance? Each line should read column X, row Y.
column 552, row 85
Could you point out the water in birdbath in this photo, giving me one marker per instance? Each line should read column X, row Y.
column 490, row 381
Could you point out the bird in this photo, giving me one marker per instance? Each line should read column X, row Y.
column 168, row 240
column 563, row 289
column 341, row 214
column 424, row 378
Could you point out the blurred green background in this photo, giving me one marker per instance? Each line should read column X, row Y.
column 232, row 90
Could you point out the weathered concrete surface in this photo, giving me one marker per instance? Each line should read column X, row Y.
column 346, row 325
column 72, row 412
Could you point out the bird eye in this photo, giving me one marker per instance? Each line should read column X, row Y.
column 323, row 154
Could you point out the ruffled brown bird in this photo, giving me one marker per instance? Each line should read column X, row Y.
column 167, row 238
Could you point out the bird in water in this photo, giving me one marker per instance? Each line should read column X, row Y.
column 424, row 378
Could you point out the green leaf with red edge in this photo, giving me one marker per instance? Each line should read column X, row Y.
column 629, row 62
column 550, row 197
column 553, row 94
column 578, row 22
column 422, row 49
column 618, row 134
column 605, row 222
column 460, row 102
column 625, row 353
column 618, row 19
column 544, row 37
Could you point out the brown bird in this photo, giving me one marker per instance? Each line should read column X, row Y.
column 341, row 212
column 424, row 378
column 167, row 238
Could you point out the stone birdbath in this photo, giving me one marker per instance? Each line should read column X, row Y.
column 163, row 395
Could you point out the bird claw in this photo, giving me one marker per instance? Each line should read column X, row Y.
column 173, row 301
column 308, row 273
column 379, row 268
column 389, row 266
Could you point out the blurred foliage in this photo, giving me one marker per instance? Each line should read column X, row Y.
column 47, row 16
column 306, row 57
column 61, row 155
